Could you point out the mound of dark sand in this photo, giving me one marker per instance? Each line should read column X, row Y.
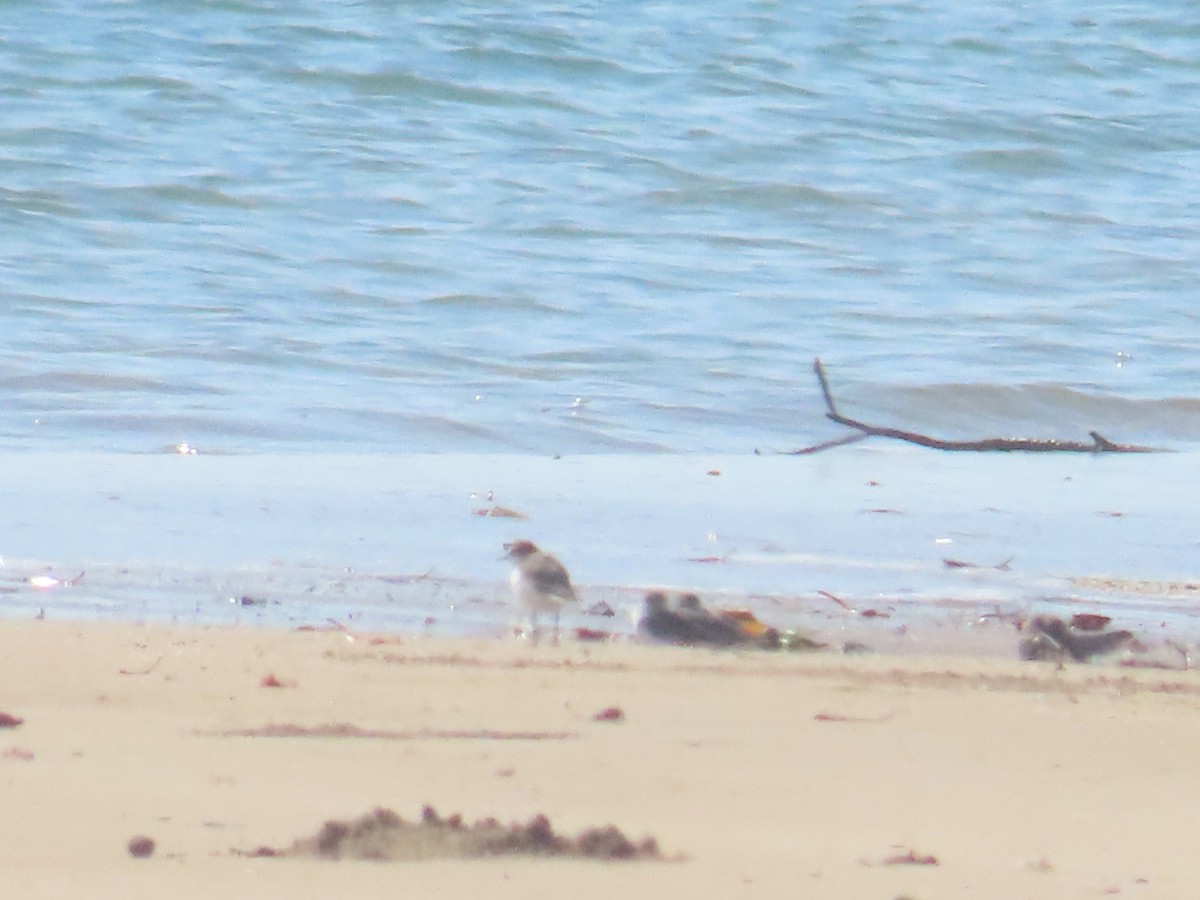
column 383, row 835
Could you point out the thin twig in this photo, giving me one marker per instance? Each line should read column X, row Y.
column 1098, row 444
column 827, row 445
column 146, row 671
column 838, row 600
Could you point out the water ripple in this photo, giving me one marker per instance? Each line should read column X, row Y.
column 315, row 225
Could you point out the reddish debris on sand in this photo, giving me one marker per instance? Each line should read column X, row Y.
column 611, row 714
column 498, row 512
column 9, row 721
column 259, row 853
column 1150, row 664
column 141, row 847
column 378, row 640
column 269, row 680
column 592, row 635
column 838, row 600
column 911, row 858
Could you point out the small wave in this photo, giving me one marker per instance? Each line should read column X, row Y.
column 409, row 85
column 765, row 196
column 493, row 303
column 193, row 195
column 98, row 383
column 959, row 411
column 1031, row 161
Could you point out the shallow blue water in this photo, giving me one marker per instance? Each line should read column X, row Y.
column 471, row 227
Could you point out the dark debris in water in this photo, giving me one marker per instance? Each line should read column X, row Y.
column 1054, row 640
column 688, row 623
column 382, row 835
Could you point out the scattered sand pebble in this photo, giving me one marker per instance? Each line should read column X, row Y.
column 498, row 512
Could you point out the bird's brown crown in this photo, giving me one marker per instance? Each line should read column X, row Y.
column 520, row 549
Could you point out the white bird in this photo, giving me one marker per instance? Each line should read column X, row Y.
column 539, row 581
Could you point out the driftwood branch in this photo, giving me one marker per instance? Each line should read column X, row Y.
column 1098, row 444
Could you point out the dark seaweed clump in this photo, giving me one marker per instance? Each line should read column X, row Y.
column 384, row 836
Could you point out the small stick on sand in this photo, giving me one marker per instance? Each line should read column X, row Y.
column 838, row 600
column 145, row 671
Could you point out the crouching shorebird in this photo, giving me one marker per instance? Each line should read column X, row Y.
column 1053, row 639
column 539, row 581
column 689, row 624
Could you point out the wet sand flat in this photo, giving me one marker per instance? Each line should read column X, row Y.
column 757, row 774
column 411, row 544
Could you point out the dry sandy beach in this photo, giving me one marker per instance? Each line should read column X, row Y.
column 758, row 774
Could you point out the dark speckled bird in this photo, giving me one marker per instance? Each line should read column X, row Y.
column 688, row 625
column 1054, row 639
